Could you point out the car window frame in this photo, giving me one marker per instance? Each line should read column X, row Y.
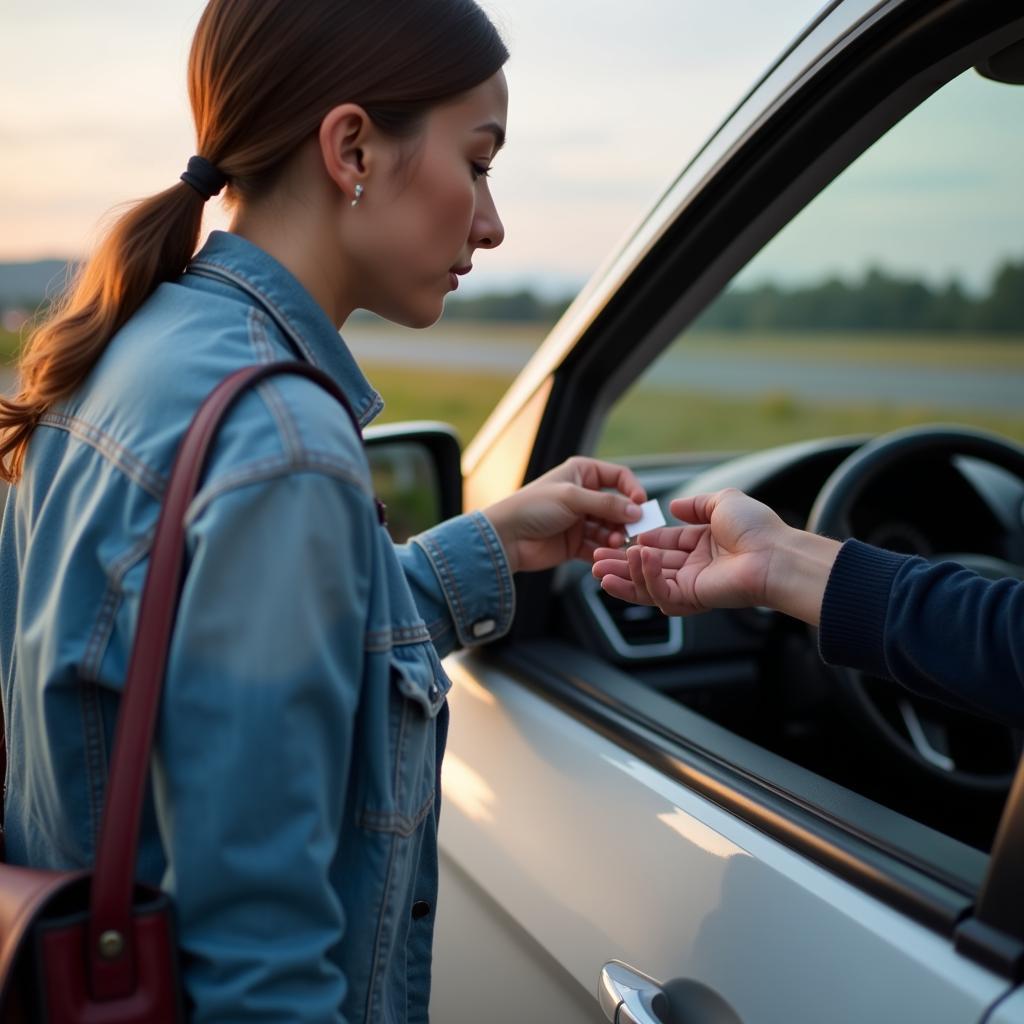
column 842, row 104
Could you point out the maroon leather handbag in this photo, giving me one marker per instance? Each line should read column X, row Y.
column 95, row 947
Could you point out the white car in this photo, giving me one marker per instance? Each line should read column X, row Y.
column 650, row 820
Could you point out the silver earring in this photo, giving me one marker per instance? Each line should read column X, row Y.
column 359, row 195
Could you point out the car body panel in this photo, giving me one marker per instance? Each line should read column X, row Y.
column 561, row 849
column 627, row 864
column 487, row 965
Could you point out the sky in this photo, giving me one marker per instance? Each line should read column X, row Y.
column 938, row 197
column 608, row 101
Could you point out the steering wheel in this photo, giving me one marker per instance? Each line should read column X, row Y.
column 927, row 741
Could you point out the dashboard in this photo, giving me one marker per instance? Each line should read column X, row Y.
column 935, row 508
column 758, row 672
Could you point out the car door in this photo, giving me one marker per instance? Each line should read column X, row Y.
column 565, row 849
column 601, row 841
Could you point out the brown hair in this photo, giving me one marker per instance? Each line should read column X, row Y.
column 262, row 75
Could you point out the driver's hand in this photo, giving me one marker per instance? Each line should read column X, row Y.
column 721, row 560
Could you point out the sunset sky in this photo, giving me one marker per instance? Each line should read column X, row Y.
column 608, row 101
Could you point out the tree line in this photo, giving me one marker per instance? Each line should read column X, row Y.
column 520, row 306
column 879, row 302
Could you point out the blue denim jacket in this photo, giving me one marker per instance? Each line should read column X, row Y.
column 295, row 786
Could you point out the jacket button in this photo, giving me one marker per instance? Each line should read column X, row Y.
column 434, row 692
column 420, row 909
column 483, row 627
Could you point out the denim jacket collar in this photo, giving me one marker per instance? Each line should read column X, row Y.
column 235, row 260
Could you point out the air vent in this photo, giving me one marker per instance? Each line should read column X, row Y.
column 632, row 630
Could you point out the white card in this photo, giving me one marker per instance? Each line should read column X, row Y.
column 651, row 519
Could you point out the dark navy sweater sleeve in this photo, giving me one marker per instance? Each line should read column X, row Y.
column 938, row 629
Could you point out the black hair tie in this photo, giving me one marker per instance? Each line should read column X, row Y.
column 204, row 177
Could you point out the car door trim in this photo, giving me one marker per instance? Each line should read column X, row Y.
column 930, row 877
column 994, row 936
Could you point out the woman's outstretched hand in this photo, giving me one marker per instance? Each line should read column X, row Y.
column 567, row 513
column 735, row 552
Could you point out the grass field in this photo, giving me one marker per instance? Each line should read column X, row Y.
column 462, row 399
column 649, row 420
column 652, row 421
column 8, row 347
column 876, row 349
column 474, row 331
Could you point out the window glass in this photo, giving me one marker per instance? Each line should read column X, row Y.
column 405, row 479
column 896, row 297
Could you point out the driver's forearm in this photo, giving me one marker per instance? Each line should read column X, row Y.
column 798, row 574
column 937, row 628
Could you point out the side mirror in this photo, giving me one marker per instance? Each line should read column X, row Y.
column 417, row 473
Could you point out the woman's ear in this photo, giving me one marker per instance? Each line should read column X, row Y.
column 347, row 146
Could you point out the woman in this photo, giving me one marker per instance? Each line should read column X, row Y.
column 295, row 787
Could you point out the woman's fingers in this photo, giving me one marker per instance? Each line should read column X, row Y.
column 613, row 509
column 601, row 536
column 596, row 473
column 597, row 532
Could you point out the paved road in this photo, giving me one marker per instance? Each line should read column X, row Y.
column 998, row 390
column 980, row 388
column 429, row 351
column 903, row 385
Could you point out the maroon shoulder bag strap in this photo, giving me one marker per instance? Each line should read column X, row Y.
column 111, row 949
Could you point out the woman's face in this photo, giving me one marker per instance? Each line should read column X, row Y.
column 422, row 219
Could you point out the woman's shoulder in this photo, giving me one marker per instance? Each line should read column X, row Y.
column 168, row 358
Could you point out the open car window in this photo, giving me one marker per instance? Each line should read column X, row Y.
column 895, row 297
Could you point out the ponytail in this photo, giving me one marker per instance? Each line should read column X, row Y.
column 149, row 244
column 262, row 75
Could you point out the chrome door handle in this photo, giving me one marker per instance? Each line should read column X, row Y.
column 627, row 996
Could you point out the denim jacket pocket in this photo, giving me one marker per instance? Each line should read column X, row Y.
column 418, row 689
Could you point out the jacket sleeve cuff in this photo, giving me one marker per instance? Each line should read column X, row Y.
column 473, row 570
column 855, row 607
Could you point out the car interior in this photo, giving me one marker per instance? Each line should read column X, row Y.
column 858, row 374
